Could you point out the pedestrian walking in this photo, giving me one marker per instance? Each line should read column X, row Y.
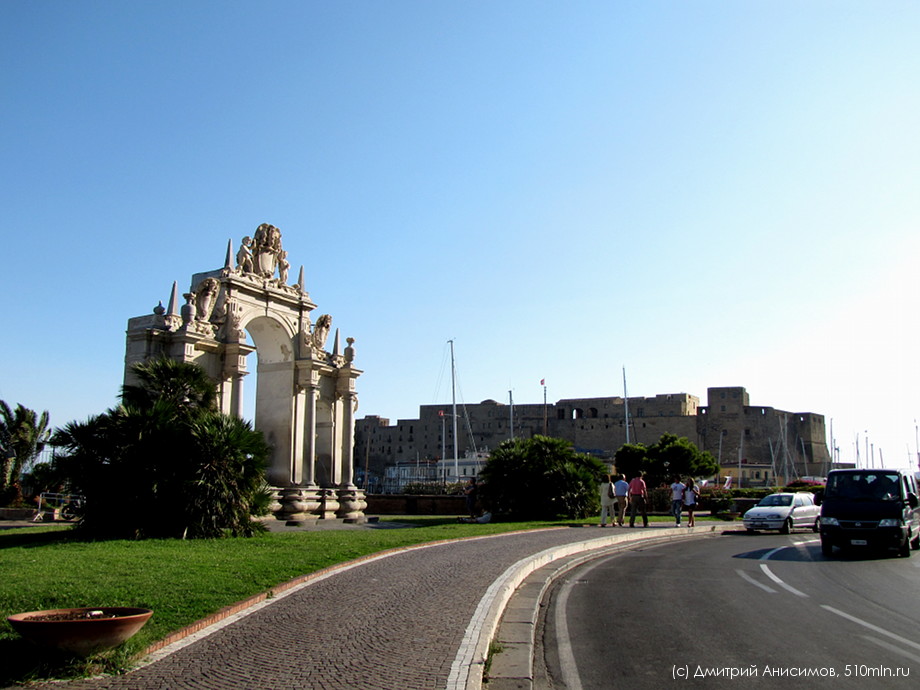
column 677, row 499
column 621, row 492
column 608, row 500
column 691, row 499
column 638, row 495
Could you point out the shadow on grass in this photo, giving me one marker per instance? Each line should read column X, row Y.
column 23, row 662
column 27, row 537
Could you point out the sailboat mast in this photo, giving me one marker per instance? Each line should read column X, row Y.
column 453, row 397
column 626, row 404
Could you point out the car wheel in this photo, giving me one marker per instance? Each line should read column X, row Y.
column 787, row 527
column 827, row 549
column 904, row 549
column 817, row 526
column 915, row 542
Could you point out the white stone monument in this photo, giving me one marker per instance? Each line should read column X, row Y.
column 305, row 397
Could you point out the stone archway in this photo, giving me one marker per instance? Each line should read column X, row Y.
column 305, row 395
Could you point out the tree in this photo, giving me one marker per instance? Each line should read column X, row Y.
column 670, row 456
column 541, row 478
column 23, row 435
column 187, row 388
column 165, row 461
column 630, row 459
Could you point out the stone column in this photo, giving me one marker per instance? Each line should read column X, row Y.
column 310, row 434
column 351, row 499
column 348, row 439
column 297, row 432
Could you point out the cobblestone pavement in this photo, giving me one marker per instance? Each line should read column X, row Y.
column 393, row 623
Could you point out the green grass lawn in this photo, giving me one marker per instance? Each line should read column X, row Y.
column 182, row 581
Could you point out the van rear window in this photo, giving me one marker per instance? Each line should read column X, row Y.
column 873, row 486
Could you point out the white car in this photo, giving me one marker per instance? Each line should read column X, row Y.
column 783, row 512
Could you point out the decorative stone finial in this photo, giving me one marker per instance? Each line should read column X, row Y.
column 174, row 300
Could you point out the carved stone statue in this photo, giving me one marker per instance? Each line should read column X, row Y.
column 244, row 256
column 207, row 295
column 321, row 331
column 283, row 267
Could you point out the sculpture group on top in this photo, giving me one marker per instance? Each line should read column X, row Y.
column 261, row 255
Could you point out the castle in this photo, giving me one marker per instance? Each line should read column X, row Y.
column 760, row 446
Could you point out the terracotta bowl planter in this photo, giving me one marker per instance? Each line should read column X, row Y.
column 81, row 632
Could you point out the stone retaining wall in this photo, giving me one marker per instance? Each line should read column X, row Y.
column 406, row 504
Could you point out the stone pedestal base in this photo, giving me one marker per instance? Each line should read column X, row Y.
column 351, row 504
column 296, row 504
column 329, row 505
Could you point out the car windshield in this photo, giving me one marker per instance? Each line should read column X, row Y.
column 776, row 500
column 865, row 486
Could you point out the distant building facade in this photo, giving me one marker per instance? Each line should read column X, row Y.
column 763, row 445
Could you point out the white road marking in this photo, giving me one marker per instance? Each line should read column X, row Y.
column 892, row 648
column 748, row 578
column 567, row 665
column 782, row 584
column 875, row 628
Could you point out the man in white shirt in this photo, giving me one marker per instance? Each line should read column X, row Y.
column 621, row 491
column 677, row 499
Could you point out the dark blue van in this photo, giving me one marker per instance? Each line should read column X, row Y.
column 870, row 509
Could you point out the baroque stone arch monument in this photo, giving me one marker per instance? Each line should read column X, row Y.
column 305, row 395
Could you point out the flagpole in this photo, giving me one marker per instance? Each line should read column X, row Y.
column 543, row 383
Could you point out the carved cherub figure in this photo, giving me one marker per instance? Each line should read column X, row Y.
column 244, row 256
column 283, row 267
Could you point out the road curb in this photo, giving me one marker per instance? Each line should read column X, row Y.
column 508, row 612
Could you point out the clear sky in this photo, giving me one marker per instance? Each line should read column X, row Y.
column 708, row 193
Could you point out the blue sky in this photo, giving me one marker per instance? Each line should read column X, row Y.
column 705, row 193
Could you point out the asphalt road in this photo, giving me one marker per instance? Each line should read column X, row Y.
column 732, row 611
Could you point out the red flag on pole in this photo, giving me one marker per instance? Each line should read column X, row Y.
column 542, row 382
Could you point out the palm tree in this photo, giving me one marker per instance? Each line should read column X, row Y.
column 168, row 457
column 23, row 435
column 182, row 384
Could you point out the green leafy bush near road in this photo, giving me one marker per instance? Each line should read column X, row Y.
column 541, row 478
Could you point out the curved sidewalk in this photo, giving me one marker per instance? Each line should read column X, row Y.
column 414, row 618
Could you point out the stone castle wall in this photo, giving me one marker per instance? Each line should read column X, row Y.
column 728, row 427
